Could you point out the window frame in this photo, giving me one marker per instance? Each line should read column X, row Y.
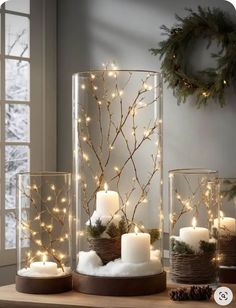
column 42, row 101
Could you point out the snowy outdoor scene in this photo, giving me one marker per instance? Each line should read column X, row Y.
column 17, row 109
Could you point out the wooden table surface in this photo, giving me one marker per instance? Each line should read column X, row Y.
column 9, row 298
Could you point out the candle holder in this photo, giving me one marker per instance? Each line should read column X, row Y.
column 118, row 182
column 227, row 230
column 44, row 233
column 193, row 198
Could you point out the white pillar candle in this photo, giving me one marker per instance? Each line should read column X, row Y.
column 135, row 247
column 227, row 224
column 44, row 267
column 193, row 235
column 107, row 202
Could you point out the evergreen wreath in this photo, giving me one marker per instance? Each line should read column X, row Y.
column 211, row 24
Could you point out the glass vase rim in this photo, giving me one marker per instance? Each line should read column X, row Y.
column 222, row 178
column 117, row 70
column 193, row 171
column 44, row 173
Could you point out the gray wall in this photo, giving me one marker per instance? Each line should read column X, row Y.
column 92, row 32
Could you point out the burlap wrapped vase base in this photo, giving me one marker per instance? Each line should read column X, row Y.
column 108, row 249
column 193, row 268
column 227, row 250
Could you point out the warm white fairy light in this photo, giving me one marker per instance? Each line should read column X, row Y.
column 111, row 147
column 146, row 133
column 95, row 88
column 84, row 138
column 92, row 76
column 88, row 119
column 121, row 92
column 116, row 169
column 38, row 242
column 79, row 120
column 64, row 210
column 49, row 227
column 113, row 95
column 99, row 103
column 147, row 87
column 53, row 187
column 56, row 210
column 49, row 198
column 42, row 224
column 110, row 73
column 85, row 157
column 83, row 87
column 35, row 187
column 63, row 200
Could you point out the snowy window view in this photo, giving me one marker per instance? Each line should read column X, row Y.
column 16, row 106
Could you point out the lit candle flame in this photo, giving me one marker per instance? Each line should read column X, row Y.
column 194, row 222
column 136, row 230
column 44, row 259
column 106, row 187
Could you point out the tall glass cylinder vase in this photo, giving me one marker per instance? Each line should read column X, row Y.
column 44, row 233
column 227, row 230
column 117, row 126
column 193, row 197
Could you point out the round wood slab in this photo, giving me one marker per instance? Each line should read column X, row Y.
column 119, row 286
column 227, row 275
column 46, row 285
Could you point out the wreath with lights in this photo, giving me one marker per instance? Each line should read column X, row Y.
column 209, row 84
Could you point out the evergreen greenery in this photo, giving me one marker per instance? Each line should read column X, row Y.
column 181, row 247
column 211, row 24
column 155, row 235
column 230, row 193
column 96, row 230
column 207, row 247
column 111, row 229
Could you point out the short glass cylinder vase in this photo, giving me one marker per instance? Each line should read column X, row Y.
column 227, row 230
column 117, row 118
column 44, row 233
column 194, row 206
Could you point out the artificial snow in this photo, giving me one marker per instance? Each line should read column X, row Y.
column 28, row 272
column 91, row 264
column 104, row 219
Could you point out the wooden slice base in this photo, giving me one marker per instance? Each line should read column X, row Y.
column 46, row 285
column 227, row 275
column 119, row 286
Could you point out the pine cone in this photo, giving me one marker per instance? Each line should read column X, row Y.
column 195, row 293
column 200, row 293
column 180, row 294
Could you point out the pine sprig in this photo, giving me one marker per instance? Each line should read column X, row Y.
column 207, row 247
column 180, row 247
column 211, row 24
column 96, row 230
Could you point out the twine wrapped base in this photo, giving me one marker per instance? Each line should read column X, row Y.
column 193, row 268
column 227, row 250
column 108, row 249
